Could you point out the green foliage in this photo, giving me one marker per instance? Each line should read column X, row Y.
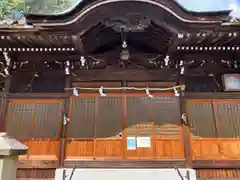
column 47, row 6
column 7, row 7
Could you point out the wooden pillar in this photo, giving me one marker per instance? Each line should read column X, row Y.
column 63, row 135
column 185, row 131
column 4, row 103
column 184, row 122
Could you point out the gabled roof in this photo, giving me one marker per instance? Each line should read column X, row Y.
column 86, row 24
column 169, row 6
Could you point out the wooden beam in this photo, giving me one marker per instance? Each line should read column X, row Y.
column 125, row 74
column 221, row 164
column 212, row 95
column 78, row 44
column 124, row 164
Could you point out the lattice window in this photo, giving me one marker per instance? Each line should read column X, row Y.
column 47, row 120
column 33, row 120
column 166, row 117
column 139, row 117
column 201, row 119
column 109, row 117
column 159, row 116
column 228, row 119
column 20, row 120
column 83, row 112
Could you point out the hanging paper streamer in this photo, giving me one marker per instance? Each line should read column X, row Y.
column 75, row 92
column 176, row 93
column 101, row 91
column 149, row 94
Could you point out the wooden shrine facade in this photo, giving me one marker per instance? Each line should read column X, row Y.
column 154, row 44
column 99, row 127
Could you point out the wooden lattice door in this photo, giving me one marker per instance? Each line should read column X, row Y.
column 153, row 128
column 124, row 126
column 139, row 125
column 37, row 124
column 95, row 127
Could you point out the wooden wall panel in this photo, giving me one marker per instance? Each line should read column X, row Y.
column 37, row 124
column 98, row 119
column 216, row 149
column 169, row 148
column 108, row 149
column 41, row 149
column 215, row 129
column 80, row 149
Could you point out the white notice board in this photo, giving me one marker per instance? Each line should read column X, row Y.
column 143, row 142
column 131, row 143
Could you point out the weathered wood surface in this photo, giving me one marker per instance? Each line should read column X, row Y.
column 37, row 124
column 215, row 129
column 100, row 139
